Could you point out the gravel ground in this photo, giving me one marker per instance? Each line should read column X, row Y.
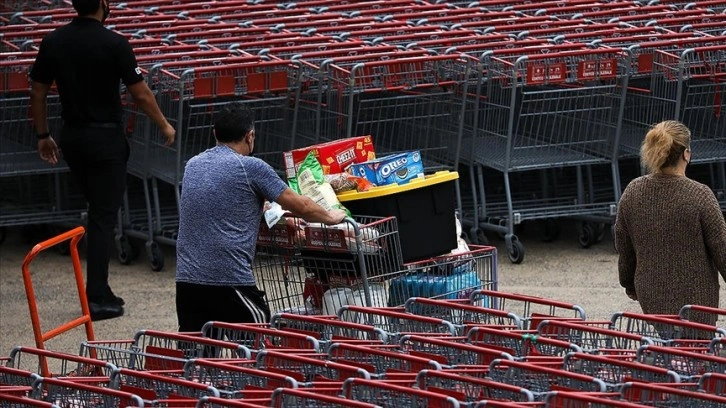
column 559, row 270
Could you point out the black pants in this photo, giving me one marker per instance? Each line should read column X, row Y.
column 97, row 157
column 199, row 304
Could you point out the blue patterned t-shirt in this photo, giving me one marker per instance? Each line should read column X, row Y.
column 221, row 207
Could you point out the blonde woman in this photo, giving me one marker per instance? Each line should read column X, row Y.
column 670, row 233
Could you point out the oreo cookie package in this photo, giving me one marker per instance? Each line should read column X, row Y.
column 394, row 169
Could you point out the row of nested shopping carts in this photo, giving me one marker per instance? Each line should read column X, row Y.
column 540, row 105
column 492, row 349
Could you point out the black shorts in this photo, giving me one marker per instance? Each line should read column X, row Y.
column 199, row 304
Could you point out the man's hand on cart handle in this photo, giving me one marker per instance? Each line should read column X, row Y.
column 307, row 209
column 337, row 216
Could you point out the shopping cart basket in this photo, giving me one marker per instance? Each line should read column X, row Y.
column 396, row 322
column 687, row 364
column 664, row 396
column 522, row 345
column 541, row 380
column 462, row 314
column 233, row 380
column 330, row 329
column 594, row 339
column 470, row 389
column 615, row 372
column 307, row 370
column 530, row 309
column 153, row 386
column 340, row 264
column 79, row 395
column 284, row 398
column 384, row 393
column 257, row 337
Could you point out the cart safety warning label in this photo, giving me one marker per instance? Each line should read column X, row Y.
column 607, row 68
column 540, row 74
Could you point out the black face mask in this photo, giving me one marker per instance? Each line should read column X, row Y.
column 106, row 10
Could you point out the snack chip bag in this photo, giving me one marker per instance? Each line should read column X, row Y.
column 310, row 182
column 342, row 182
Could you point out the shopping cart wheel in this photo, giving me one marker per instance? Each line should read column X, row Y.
column 515, row 250
column 588, row 235
column 549, row 230
column 126, row 251
column 156, row 256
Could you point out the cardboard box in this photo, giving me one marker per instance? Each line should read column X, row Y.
column 334, row 157
column 394, row 169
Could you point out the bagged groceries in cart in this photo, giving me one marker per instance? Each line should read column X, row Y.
column 310, row 182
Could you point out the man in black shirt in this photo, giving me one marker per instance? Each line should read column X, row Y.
column 87, row 63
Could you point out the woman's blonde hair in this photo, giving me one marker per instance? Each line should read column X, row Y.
column 664, row 144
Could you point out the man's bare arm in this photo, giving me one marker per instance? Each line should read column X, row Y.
column 307, row 209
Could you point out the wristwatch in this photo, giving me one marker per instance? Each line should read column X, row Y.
column 41, row 136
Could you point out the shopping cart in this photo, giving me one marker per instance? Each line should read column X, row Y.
column 80, row 395
column 34, row 192
column 382, row 363
column 445, row 277
column 307, row 370
column 56, row 364
column 615, row 372
column 595, row 339
column 688, row 365
column 16, row 381
column 343, row 264
column 284, row 398
column 396, row 321
column 153, row 387
column 466, row 388
column 523, row 346
column 530, row 309
column 213, row 402
column 452, row 352
column 235, row 381
column 462, row 314
column 392, row 394
column 541, row 380
column 152, row 350
column 330, row 329
column 702, row 314
column 15, row 401
column 547, row 111
column 669, row 329
column 258, row 337
column 570, row 399
column 664, row 396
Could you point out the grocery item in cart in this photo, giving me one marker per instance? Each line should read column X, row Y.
column 430, row 283
column 394, row 169
column 334, row 157
column 310, row 182
column 334, row 299
column 342, row 182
